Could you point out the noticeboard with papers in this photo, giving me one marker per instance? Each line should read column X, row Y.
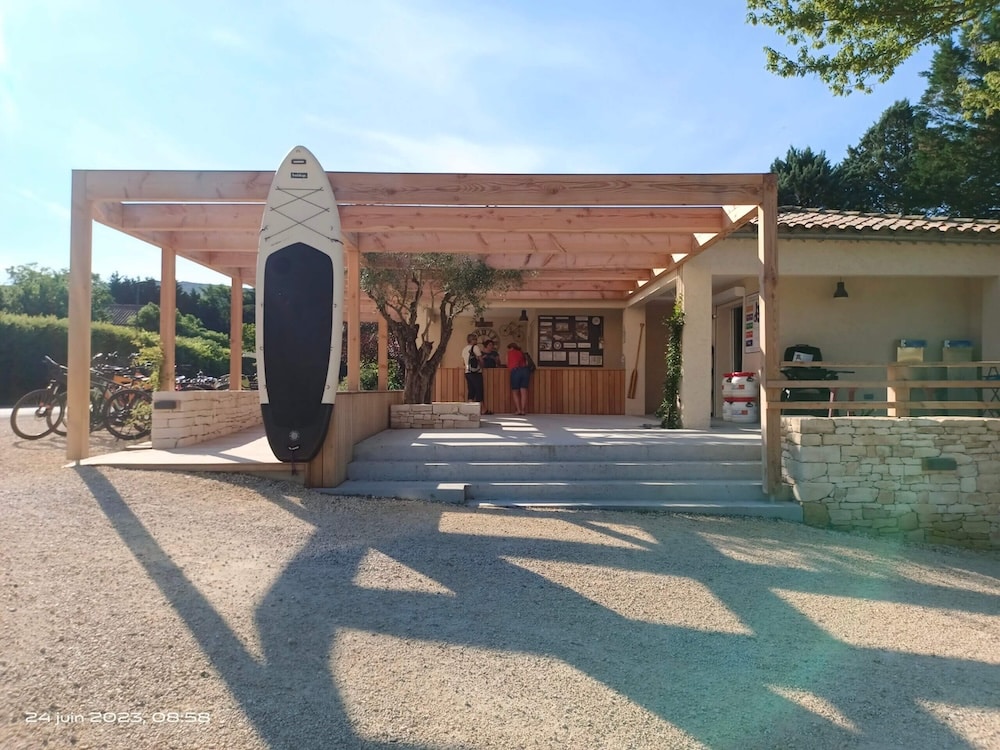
column 571, row 341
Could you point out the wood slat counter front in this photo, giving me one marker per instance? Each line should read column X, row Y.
column 552, row 390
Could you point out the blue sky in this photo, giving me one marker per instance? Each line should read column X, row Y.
column 388, row 85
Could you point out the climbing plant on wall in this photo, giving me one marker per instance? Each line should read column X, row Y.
column 669, row 411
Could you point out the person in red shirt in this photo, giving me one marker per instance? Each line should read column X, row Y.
column 520, row 375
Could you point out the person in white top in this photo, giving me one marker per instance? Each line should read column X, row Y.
column 472, row 356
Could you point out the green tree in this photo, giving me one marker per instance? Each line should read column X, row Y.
column 806, row 179
column 877, row 174
column 147, row 317
column 133, row 291
column 43, row 291
column 403, row 286
column 958, row 163
column 848, row 42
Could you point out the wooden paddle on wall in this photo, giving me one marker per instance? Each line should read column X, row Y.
column 634, row 378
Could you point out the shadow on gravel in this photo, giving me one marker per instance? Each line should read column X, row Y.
column 768, row 670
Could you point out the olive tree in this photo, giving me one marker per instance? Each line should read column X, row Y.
column 419, row 296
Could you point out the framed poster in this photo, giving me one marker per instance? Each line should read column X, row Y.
column 751, row 323
column 571, row 340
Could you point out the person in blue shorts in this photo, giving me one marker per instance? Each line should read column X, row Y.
column 520, row 376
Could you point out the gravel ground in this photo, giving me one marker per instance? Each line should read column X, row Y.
column 160, row 610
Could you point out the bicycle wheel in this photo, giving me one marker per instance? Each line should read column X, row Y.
column 29, row 418
column 58, row 420
column 129, row 414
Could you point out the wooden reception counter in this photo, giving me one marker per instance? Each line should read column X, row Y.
column 553, row 390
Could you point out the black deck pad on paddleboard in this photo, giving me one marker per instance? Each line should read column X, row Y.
column 298, row 319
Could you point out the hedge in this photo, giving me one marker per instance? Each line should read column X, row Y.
column 25, row 341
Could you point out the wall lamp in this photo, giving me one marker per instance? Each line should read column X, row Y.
column 524, row 316
column 841, row 291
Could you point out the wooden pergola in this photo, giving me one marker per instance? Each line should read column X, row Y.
column 588, row 240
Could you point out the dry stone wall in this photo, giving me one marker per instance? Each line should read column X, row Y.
column 439, row 415
column 933, row 479
column 190, row 417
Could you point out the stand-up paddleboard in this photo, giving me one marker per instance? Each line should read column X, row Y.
column 300, row 307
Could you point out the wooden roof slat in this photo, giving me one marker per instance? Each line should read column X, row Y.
column 519, row 242
column 357, row 218
column 563, row 294
column 438, row 189
column 528, row 261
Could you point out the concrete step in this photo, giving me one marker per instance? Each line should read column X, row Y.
column 443, row 452
column 616, row 492
column 553, row 466
column 703, row 497
column 473, row 471
column 784, row 511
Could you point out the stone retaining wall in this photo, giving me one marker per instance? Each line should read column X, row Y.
column 190, row 417
column 454, row 415
column 933, row 479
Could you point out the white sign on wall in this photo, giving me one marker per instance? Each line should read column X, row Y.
column 751, row 323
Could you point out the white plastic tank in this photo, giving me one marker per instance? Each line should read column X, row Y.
column 745, row 409
column 727, row 384
column 743, row 384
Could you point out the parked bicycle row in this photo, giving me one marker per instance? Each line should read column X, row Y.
column 120, row 398
column 120, row 401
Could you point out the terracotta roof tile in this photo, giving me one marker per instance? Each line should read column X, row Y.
column 122, row 315
column 805, row 219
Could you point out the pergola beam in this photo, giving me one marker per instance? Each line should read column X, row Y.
column 140, row 217
column 514, row 242
column 437, row 189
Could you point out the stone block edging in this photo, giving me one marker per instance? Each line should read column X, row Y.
column 190, row 417
column 440, row 415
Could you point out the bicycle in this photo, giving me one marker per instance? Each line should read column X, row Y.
column 128, row 413
column 38, row 412
column 116, row 403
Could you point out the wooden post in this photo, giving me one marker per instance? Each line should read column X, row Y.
column 352, row 294
column 78, row 376
column 236, row 334
column 168, row 318
column 767, row 253
column 383, row 355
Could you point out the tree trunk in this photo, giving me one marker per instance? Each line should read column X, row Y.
column 418, row 387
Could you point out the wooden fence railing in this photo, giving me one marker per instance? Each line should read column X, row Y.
column 552, row 390
column 896, row 389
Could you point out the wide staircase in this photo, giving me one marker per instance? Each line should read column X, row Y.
column 569, row 468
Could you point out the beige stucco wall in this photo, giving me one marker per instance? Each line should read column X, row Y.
column 898, row 289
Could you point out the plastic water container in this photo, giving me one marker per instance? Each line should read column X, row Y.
column 727, row 384
column 743, row 384
column 727, row 410
column 745, row 409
